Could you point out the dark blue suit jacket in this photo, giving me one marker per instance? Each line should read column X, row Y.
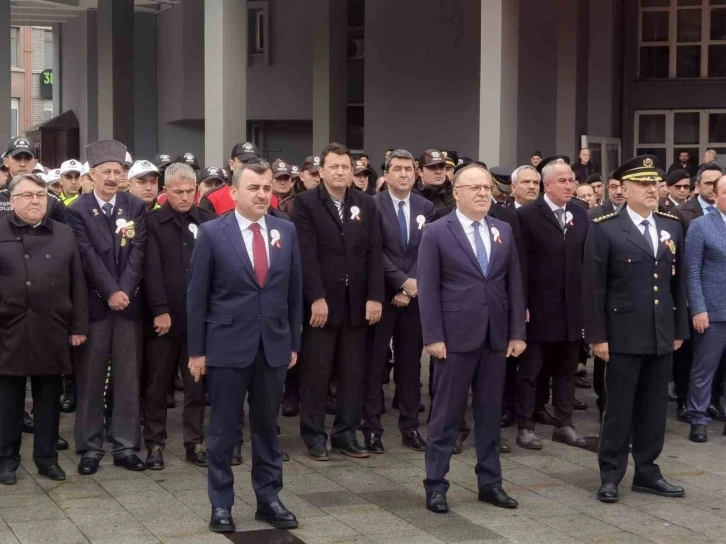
column 459, row 305
column 228, row 313
column 109, row 265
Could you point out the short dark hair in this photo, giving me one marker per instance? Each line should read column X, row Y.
column 22, row 177
column 364, row 155
column 705, row 168
column 399, row 154
column 336, row 149
column 684, row 151
column 258, row 167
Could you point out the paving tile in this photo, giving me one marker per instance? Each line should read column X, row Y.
column 110, row 526
column 326, row 499
column 579, row 524
column 61, row 531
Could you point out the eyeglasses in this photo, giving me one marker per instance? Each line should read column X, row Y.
column 683, row 187
column 30, row 196
column 476, row 189
column 614, row 187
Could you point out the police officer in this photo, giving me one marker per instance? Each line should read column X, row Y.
column 635, row 317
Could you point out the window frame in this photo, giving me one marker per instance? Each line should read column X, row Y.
column 15, row 59
column 259, row 9
column 15, row 107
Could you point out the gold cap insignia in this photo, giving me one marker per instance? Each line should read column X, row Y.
column 648, row 163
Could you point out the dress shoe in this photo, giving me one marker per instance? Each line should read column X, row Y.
column 285, row 456
column 579, row 405
column 507, row 419
column 581, row 371
column 221, row 521
column 130, row 462
column 458, row 446
column 373, row 443
column 658, row 487
column 351, row 449
column 7, row 476
column 568, row 435
column 698, row 433
column 608, row 492
column 504, row 446
column 582, row 383
column 528, row 440
column 682, row 413
column 276, row 515
column 318, row 452
column 28, row 425
column 436, row 502
column 53, row 472
column 716, row 412
column 543, row 417
column 414, row 441
column 331, row 406
column 88, row 466
column 155, row 459
column 290, row 403
column 68, row 398
column 61, row 444
column 497, row 496
column 672, row 392
column 237, row 455
column 197, row 455
column 170, row 402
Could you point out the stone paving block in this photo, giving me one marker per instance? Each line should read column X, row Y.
column 579, row 524
column 360, row 479
column 327, row 499
column 327, row 527
column 58, row 531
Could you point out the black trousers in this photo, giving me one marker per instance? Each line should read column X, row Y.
column 561, row 358
column 637, row 392
column 404, row 326
column 46, row 414
column 510, row 386
column 598, row 383
column 164, row 356
column 682, row 363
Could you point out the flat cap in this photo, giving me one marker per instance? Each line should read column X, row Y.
column 280, row 168
column 502, row 177
column 311, row 164
column 105, row 151
column 432, row 157
column 244, row 151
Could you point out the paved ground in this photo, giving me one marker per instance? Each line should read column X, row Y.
column 378, row 499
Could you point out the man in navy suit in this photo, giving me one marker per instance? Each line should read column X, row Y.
column 473, row 317
column 244, row 307
column 110, row 228
column 402, row 217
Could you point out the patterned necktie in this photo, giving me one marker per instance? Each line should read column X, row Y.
column 481, row 252
column 107, row 209
column 560, row 214
column 259, row 254
column 339, row 205
column 710, row 208
column 646, row 233
column 402, row 224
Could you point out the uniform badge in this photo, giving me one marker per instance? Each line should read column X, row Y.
column 355, row 213
column 421, row 220
column 127, row 230
column 673, row 270
column 95, row 212
column 123, row 242
column 275, row 238
column 672, row 246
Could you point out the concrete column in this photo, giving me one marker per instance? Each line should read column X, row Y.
column 115, row 35
column 330, row 73
column 4, row 72
column 225, row 77
column 91, row 79
column 56, row 65
column 499, row 82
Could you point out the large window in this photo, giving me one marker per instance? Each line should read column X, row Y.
column 258, row 31
column 14, row 33
column 48, row 49
column 14, row 108
column 665, row 133
column 682, row 39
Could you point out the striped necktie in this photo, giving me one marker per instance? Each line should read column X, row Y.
column 339, row 205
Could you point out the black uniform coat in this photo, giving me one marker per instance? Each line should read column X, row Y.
column 109, row 265
column 441, row 196
column 606, row 208
column 169, row 244
column 43, row 297
column 332, row 249
column 687, row 212
column 554, row 271
column 634, row 301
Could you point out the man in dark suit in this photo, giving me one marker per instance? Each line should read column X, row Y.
column 635, row 317
column 171, row 234
column 553, row 231
column 613, row 203
column 469, row 273
column 110, row 228
column 402, row 217
column 244, row 307
column 340, row 245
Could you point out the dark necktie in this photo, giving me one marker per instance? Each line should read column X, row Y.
column 402, row 224
column 560, row 214
column 107, row 209
column 481, row 252
column 259, row 254
column 710, row 208
column 646, row 233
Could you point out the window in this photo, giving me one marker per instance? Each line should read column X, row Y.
column 48, row 49
column 14, row 109
column 682, row 39
column 14, row 33
column 258, row 44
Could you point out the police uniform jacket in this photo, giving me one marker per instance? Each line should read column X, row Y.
column 441, row 196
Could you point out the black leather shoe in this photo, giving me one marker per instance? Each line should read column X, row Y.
column 413, row 440
column 582, row 383
column 567, row 435
column 7, row 476
column 608, row 492
column 436, row 502
column 28, row 425
column 130, row 462
column 170, row 402
column 221, row 521
column 458, row 446
column 237, row 455
column 698, row 434
column 155, row 459
column 507, row 419
column 579, row 405
column 543, row 417
column 682, row 413
column 504, row 446
column 497, row 496
column 285, row 457
column 290, row 403
column 61, row 444
column 318, row 452
column 197, row 455
column 68, row 398
column 658, row 487
column 716, row 412
column 276, row 515
column 373, row 443
column 53, row 472
column 351, row 449
column 88, row 466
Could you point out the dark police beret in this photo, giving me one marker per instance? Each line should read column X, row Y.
column 675, row 176
column 593, row 178
column 556, row 158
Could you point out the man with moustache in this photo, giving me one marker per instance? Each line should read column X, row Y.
column 144, row 183
column 614, row 201
column 433, row 185
column 525, row 185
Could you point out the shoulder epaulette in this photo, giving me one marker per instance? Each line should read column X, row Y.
column 669, row 216
column 604, row 217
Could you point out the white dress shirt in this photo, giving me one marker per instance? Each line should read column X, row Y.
column 247, row 235
column 406, row 212
column 466, row 223
column 517, row 205
column 638, row 219
column 552, row 205
column 102, row 202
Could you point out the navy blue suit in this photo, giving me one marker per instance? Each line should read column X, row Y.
column 476, row 315
column 247, row 333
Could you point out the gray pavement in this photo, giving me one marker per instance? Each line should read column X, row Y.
column 380, row 499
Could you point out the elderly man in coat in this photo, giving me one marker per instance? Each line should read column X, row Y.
column 42, row 291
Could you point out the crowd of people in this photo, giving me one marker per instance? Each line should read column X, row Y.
column 302, row 288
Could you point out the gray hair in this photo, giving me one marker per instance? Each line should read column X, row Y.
column 258, row 167
column 178, row 170
column 549, row 169
column 713, row 152
column 521, row 169
column 399, row 154
column 13, row 183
